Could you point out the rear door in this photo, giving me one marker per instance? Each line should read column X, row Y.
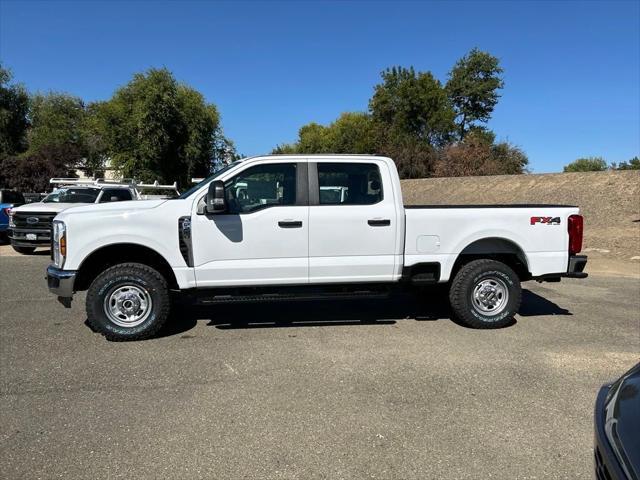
column 352, row 222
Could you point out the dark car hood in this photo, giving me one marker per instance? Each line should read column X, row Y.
column 622, row 418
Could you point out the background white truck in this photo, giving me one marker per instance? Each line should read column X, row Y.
column 31, row 224
column 283, row 239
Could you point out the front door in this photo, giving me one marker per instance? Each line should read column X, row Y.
column 263, row 238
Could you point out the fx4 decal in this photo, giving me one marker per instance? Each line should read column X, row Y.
column 545, row 220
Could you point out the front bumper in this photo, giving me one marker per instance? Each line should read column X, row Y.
column 39, row 237
column 60, row 283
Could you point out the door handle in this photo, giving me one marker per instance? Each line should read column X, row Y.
column 290, row 224
column 378, row 222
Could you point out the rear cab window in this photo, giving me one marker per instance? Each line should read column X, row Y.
column 342, row 183
column 115, row 195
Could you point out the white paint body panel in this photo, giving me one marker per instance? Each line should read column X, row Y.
column 334, row 245
column 545, row 246
column 251, row 249
column 343, row 247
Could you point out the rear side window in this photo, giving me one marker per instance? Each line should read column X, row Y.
column 349, row 184
column 115, row 195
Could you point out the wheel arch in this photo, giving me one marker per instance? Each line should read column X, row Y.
column 106, row 256
column 496, row 248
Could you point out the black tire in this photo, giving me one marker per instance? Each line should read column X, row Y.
column 487, row 276
column 116, row 286
column 24, row 250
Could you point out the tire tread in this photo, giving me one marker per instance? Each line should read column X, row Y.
column 458, row 293
column 120, row 269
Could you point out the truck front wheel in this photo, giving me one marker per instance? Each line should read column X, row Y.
column 129, row 301
column 485, row 294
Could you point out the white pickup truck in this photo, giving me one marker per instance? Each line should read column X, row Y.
column 261, row 230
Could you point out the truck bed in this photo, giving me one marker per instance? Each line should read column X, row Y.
column 537, row 233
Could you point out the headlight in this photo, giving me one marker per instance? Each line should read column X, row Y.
column 10, row 214
column 59, row 246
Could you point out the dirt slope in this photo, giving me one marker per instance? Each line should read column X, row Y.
column 609, row 201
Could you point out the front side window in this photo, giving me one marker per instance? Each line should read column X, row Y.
column 349, row 183
column 115, row 195
column 261, row 187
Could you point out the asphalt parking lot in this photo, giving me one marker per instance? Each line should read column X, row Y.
column 388, row 389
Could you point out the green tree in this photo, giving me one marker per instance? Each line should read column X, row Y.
column 473, row 88
column 413, row 157
column 633, row 164
column 14, row 108
column 57, row 121
column 588, row 164
column 352, row 132
column 313, row 138
column 413, row 104
column 156, row 128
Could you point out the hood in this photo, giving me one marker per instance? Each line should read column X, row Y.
column 622, row 420
column 44, row 207
column 98, row 208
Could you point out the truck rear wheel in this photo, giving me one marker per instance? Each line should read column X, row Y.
column 24, row 250
column 129, row 301
column 485, row 294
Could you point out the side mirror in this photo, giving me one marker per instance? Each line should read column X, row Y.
column 216, row 202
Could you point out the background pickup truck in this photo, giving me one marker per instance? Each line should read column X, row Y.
column 265, row 228
column 31, row 224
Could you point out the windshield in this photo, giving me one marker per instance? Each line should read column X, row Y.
column 208, row 179
column 73, row 195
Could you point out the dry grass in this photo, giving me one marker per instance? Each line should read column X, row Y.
column 609, row 201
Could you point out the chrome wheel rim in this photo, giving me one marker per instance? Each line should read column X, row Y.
column 490, row 296
column 128, row 305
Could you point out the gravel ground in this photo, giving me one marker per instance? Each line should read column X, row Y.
column 350, row 389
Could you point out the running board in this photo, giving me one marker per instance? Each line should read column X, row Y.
column 208, row 299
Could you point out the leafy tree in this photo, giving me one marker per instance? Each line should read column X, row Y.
column 633, row 164
column 413, row 104
column 476, row 156
column 352, row 132
column 31, row 171
column 224, row 151
column 286, row 149
column 156, row 128
column 313, row 139
column 588, row 164
column 57, row 120
column 414, row 158
column 14, row 107
column 473, row 88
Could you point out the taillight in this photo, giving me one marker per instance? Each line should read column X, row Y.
column 575, row 227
